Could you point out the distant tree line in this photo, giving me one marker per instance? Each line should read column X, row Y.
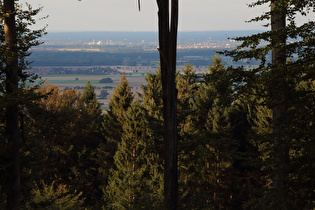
column 106, row 80
column 144, row 58
column 75, row 70
column 57, row 58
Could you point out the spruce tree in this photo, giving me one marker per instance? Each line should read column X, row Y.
column 118, row 105
column 136, row 182
column 217, row 138
column 16, row 39
column 89, row 98
column 152, row 94
column 192, row 184
column 113, row 126
column 215, row 153
column 151, row 98
column 187, row 85
column 280, row 79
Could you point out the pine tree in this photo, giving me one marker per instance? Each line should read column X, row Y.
column 192, row 184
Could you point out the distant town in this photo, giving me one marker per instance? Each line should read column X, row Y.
column 113, row 52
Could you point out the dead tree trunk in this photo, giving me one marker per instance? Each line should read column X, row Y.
column 167, row 47
column 12, row 126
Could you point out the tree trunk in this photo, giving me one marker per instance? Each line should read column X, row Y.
column 278, row 21
column 12, row 126
column 167, row 48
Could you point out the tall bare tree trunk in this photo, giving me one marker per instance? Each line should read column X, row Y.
column 167, row 47
column 278, row 21
column 12, row 126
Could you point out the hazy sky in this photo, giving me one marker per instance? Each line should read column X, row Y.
column 123, row 15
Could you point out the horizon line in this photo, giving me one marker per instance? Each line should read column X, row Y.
column 75, row 31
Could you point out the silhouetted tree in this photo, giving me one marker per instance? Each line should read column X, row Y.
column 15, row 39
column 292, row 63
column 168, row 26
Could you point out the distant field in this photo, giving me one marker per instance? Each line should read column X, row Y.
column 72, row 81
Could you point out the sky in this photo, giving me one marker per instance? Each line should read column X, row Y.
column 123, row 15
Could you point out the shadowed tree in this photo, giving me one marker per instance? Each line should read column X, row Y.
column 113, row 124
column 292, row 62
column 168, row 27
column 11, row 86
column 278, row 23
column 15, row 41
column 136, row 181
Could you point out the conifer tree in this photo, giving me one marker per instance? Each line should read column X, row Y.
column 118, row 105
column 187, row 85
column 215, row 84
column 191, row 177
column 152, row 94
column 151, row 98
column 16, row 39
column 136, row 182
column 113, row 126
column 122, row 97
column 89, row 98
column 279, row 80
column 215, row 147
column 219, row 146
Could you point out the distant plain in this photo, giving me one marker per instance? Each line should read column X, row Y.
column 74, row 81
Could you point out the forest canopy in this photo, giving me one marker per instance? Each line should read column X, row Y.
column 245, row 136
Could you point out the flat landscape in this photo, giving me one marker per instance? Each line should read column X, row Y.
column 72, row 62
column 79, row 81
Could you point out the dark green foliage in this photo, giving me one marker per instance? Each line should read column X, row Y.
column 113, row 127
column 137, row 181
column 26, row 39
column 89, row 98
column 118, row 104
column 103, row 94
column 225, row 155
column 106, row 80
column 15, row 45
column 152, row 94
column 216, row 161
column 279, row 102
column 74, row 157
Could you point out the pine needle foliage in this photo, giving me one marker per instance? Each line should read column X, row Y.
column 136, row 183
column 54, row 197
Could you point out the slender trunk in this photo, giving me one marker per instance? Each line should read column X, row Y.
column 167, row 48
column 278, row 21
column 12, row 126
